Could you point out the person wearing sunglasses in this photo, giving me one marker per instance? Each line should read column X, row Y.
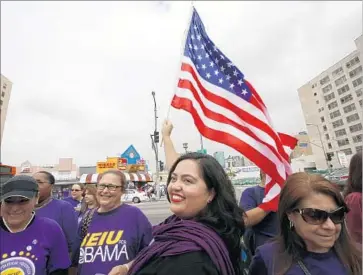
column 76, row 196
column 29, row 244
column 112, row 234
column 313, row 237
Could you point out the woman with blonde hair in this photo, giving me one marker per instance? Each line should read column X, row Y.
column 313, row 237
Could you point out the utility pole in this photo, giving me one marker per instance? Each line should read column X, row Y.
column 155, row 140
column 322, row 144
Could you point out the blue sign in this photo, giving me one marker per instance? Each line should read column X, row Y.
column 131, row 155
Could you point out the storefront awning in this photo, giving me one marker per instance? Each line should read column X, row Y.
column 94, row 178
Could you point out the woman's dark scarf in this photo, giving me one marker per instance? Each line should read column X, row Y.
column 175, row 236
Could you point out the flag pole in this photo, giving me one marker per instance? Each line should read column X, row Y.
column 181, row 58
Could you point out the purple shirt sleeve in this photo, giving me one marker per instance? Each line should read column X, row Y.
column 248, row 201
column 69, row 224
column 58, row 254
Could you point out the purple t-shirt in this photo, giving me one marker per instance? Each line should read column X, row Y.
column 72, row 201
column 38, row 250
column 113, row 238
column 317, row 263
column 63, row 213
column 269, row 226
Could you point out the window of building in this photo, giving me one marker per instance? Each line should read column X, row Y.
column 4, row 86
column 346, row 99
column 2, row 94
column 313, row 86
column 358, row 149
column 317, row 102
column 353, row 117
column 327, row 136
column 338, row 123
column 359, row 92
column 357, row 138
column 325, row 128
column 340, row 80
column 347, row 151
column 337, row 71
column 360, row 103
column 329, row 97
column 332, row 105
column 343, row 89
column 355, row 72
column 355, row 128
column 335, row 114
column 322, row 119
column 315, row 94
column 1, row 102
column 357, row 82
column 349, row 108
column 340, row 133
column 329, row 145
column 324, row 80
column 352, row 62
column 343, row 142
column 327, row 88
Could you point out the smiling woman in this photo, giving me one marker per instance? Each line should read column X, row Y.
column 112, row 233
column 314, row 238
column 29, row 244
column 203, row 235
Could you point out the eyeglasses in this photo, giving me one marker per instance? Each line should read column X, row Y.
column 13, row 200
column 317, row 216
column 110, row 187
column 76, row 190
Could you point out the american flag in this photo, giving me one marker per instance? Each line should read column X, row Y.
column 227, row 109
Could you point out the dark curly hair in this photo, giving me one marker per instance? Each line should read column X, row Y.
column 222, row 214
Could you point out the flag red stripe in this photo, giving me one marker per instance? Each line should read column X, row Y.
column 247, row 117
column 227, row 139
column 186, row 84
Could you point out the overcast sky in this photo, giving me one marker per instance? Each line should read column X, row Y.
column 83, row 72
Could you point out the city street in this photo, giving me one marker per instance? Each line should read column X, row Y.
column 157, row 211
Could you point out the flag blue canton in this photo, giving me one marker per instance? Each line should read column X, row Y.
column 212, row 65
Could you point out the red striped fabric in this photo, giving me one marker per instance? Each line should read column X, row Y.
column 223, row 117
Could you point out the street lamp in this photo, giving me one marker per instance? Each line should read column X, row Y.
column 322, row 144
column 155, row 140
column 185, row 146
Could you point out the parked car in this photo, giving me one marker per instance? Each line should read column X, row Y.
column 339, row 176
column 135, row 196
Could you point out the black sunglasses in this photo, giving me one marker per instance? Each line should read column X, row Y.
column 317, row 216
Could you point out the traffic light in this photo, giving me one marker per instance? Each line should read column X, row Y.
column 161, row 165
column 328, row 156
column 156, row 137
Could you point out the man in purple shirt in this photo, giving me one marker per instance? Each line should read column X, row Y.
column 60, row 211
column 76, row 196
column 262, row 225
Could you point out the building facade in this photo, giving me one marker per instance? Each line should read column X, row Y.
column 64, row 170
column 303, row 147
column 219, row 156
column 6, row 86
column 332, row 107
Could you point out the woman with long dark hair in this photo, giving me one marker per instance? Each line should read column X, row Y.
column 203, row 236
column 353, row 198
column 313, row 237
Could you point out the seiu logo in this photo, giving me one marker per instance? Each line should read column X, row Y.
column 101, row 238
